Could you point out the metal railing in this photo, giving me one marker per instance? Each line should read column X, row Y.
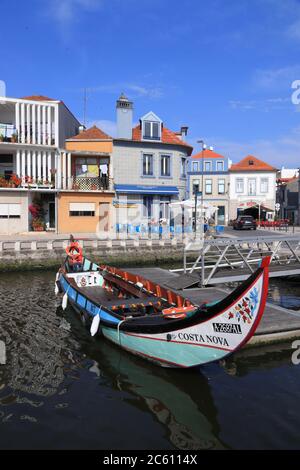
column 226, row 260
column 90, row 183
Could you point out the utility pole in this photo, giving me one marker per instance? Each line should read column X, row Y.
column 84, row 106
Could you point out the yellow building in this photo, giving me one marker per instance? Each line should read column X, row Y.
column 86, row 206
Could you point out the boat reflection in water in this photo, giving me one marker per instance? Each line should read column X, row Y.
column 178, row 399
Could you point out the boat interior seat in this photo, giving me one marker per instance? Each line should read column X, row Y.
column 132, row 302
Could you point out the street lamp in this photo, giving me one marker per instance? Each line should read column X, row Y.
column 203, row 147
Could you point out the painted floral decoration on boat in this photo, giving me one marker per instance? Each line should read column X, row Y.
column 244, row 310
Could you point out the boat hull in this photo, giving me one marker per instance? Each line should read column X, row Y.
column 208, row 341
column 210, row 337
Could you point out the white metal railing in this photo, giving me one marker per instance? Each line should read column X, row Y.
column 218, row 259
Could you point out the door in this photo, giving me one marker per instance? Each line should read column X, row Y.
column 51, row 214
column 103, row 217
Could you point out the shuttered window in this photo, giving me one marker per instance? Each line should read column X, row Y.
column 10, row 211
column 82, row 209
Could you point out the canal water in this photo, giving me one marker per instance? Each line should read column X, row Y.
column 60, row 388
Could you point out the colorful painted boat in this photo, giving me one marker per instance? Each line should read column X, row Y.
column 158, row 324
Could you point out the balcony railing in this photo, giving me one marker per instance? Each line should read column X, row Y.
column 13, row 181
column 9, row 133
column 81, row 183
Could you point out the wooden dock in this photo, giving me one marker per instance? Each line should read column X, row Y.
column 278, row 324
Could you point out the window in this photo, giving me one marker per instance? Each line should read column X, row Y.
column 165, row 165
column 220, row 165
column 208, row 186
column 164, row 209
column 221, row 186
column 221, row 215
column 195, row 166
column 87, row 167
column 10, row 211
column 264, row 185
column 147, row 165
column 251, row 186
column 207, row 166
column 147, row 206
column 82, row 209
column 239, row 185
column 151, row 130
column 183, row 168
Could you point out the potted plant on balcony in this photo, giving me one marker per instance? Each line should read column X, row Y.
column 1, row 138
column 15, row 181
column 37, row 213
column 14, row 137
column 3, row 182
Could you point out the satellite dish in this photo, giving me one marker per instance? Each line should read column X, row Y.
column 2, row 88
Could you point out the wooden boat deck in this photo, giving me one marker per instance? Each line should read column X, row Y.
column 277, row 324
column 102, row 296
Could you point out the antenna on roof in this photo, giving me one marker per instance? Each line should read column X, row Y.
column 84, row 106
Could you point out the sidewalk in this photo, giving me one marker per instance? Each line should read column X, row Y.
column 228, row 233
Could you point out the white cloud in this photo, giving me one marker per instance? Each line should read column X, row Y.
column 265, row 105
column 67, row 11
column 134, row 90
column 276, row 79
column 282, row 151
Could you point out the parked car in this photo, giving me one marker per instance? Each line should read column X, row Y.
column 244, row 222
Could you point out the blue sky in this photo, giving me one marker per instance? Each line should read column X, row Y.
column 222, row 67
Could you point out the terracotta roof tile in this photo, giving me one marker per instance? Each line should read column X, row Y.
column 37, row 98
column 251, row 163
column 168, row 137
column 207, row 154
column 94, row 133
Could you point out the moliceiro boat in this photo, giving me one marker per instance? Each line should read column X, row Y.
column 156, row 323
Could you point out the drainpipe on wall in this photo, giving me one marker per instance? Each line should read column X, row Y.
column 56, row 212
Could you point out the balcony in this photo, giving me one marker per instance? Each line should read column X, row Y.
column 9, row 133
column 82, row 183
column 12, row 181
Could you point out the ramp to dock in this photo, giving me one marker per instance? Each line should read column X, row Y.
column 224, row 260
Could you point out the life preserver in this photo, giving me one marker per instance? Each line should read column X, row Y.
column 74, row 252
column 177, row 312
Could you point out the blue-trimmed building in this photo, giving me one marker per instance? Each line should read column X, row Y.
column 150, row 166
column 209, row 171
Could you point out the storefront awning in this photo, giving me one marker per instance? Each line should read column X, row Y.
column 141, row 189
column 251, row 204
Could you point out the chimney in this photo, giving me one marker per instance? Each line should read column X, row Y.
column 183, row 132
column 124, row 117
column 81, row 128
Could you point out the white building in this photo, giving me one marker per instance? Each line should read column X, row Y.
column 33, row 167
column 150, row 166
column 252, row 188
